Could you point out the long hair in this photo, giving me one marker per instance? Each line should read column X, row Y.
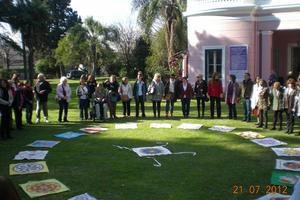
column 14, row 78
column 233, row 78
column 91, row 78
column 213, row 78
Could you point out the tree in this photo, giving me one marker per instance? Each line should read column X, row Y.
column 170, row 13
column 127, row 37
column 140, row 53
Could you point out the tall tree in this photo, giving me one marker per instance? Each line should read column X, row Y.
column 169, row 12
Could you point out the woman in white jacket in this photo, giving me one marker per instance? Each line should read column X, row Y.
column 125, row 91
column 255, row 93
column 63, row 94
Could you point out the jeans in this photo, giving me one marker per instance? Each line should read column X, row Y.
column 185, row 103
column 112, row 108
column 247, row 109
column 169, row 106
column 63, row 106
column 263, row 116
column 126, row 108
column 99, row 110
column 83, row 106
column 202, row 101
column 156, row 107
column 212, row 106
column 44, row 106
column 139, row 100
column 277, row 115
column 232, row 109
column 28, row 112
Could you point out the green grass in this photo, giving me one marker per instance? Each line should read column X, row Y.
column 91, row 164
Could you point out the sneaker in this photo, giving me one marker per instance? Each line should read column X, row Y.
column 47, row 121
column 37, row 121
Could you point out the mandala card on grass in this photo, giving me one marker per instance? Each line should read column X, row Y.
column 126, row 126
column 190, row 126
column 268, row 142
column 285, row 178
column 41, row 188
column 31, row 155
column 292, row 165
column 160, row 125
column 84, row 196
column 94, row 129
column 274, row 196
column 69, row 135
column 287, row 151
column 151, row 151
column 28, row 168
column 43, row 143
column 250, row 135
column 222, row 128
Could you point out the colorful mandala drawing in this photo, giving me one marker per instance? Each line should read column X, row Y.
column 287, row 151
column 28, row 168
column 292, row 165
column 93, row 129
column 151, row 151
column 222, row 128
column 284, row 178
column 268, row 142
column 31, row 155
column 250, row 135
column 69, row 135
column 41, row 188
column 42, row 143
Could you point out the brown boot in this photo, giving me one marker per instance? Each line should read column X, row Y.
column 167, row 115
column 171, row 114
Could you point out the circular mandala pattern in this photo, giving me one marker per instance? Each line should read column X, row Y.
column 268, row 142
column 43, row 187
column 28, row 168
column 151, row 151
column 292, row 165
column 292, row 152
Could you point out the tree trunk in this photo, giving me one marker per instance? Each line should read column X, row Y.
column 7, row 62
column 31, row 63
column 24, row 57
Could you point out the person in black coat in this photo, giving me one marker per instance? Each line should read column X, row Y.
column 113, row 96
column 200, row 91
column 139, row 94
column 41, row 89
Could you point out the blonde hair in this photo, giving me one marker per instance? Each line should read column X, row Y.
column 277, row 85
column 112, row 78
column 156, row 75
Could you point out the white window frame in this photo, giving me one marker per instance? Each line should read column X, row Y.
column 290, row 56
column 223, row 48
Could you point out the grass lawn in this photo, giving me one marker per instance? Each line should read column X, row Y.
column 91, row 163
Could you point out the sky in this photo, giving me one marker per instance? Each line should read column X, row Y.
column 106, row 11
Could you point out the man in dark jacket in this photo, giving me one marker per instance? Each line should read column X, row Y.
column 41, row 89
column 246, row 96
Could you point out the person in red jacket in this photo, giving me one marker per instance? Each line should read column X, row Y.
column 186, row 93
column 215, row 92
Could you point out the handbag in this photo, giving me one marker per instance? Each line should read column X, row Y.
column 113, row 97
column 125, row 98
column 168, row 97
column 151, row 89
column 255, row 112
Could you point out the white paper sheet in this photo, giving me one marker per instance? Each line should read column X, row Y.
column 190, row 126
column 84, row 196
column 268, row 142
column 31, row 155
column 162, row 125
column 126, row 126
column 273, row 196
column 222, row 128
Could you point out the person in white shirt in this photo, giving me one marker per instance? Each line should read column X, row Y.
column 82, row 93
column 63, row 94
column 125, row 91
column 255, row 93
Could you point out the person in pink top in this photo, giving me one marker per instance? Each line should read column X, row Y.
column 215, row 93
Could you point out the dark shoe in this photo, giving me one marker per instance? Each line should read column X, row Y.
column 229, row 117
column 65, row 120
column 297, row 134
column 280, row 129
column 260, row 126
column 288, row 132
column 235, row 118
column 212, row 117
column 265, row 127
column 59, row 120
column 257, row 124
column 143, row 115
column 29, row 123
column 246, row 120
column 273, row 128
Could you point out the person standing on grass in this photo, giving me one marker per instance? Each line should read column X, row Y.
column 91, row 85
column 139, row 93
column 277, row 105
column 170, row 95
column 186, row 94
column 263, row 104
column 254, row 97
column 288, row 104
column 232, row 96
column 125, row 91
column 6, row 99
column 215, row 93
column 113, row 96
column 246, row 94
column 82, row 93
column 296, row 108
column 200, row 91
column 157, row 92
column 42, row 89
column 28, row 100
column 18, row 100
column 63, row 97
column 100, row 98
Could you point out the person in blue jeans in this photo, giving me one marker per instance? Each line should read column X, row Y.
column 247, row 88
column 186, row 93
column 170, row 95
column 82, row 93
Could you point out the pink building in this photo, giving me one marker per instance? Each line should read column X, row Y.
column 238, row 36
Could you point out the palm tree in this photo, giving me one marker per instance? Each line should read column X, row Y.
column 151, row 12
column 97, row 34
